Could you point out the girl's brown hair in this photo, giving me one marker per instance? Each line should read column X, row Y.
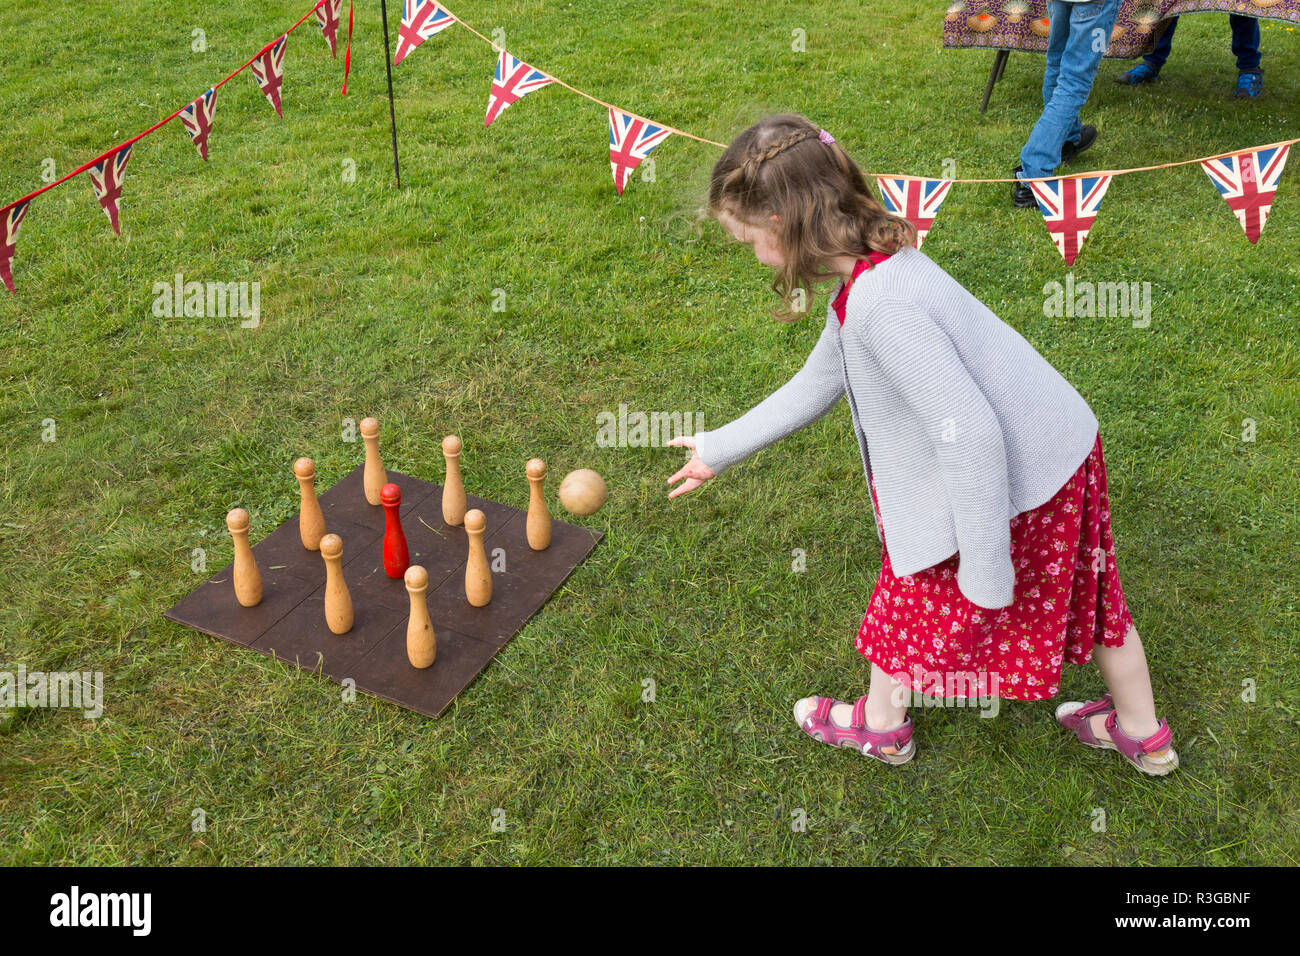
column 780, row 166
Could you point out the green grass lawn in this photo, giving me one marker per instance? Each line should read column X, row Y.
column 379, row 301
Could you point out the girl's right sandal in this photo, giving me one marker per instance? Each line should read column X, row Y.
column 1154, row 755
column 817, row 723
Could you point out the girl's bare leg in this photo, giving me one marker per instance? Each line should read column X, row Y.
column 1125, row 671
column 886, row 704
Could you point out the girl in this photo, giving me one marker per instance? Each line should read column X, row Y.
column 984, row 465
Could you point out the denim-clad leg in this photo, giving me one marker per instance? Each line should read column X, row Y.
column 1079, row 35
column 1157, row 57
column 1245, row 42
column 1057, row 40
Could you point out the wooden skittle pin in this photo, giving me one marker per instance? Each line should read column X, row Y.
column 478, row 576
column 248, row 580
column 421, row 644
column 539, row 519
column 375, row 476
column 397, row 556
column 453, row 487
column 338, row 601
column 311, row 520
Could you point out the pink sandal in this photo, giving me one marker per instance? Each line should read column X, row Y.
column 818, row 725
column 1073, row 715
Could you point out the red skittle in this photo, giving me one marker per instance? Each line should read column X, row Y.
column 396, row 556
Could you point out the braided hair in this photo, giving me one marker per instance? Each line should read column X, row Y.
column 781, row 166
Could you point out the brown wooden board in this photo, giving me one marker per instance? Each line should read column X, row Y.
column 289, row 623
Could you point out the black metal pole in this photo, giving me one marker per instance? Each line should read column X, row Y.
column 392, row 113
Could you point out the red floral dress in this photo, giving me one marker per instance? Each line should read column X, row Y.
column 921, row 629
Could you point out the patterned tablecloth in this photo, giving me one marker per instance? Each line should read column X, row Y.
column 1022, row 24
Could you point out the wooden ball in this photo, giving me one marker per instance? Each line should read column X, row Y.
column 583, row 492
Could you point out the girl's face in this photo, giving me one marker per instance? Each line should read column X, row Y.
column 763, row 241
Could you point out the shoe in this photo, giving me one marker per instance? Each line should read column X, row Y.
column 813, row 715
column 1142, row 73
column 1087, row 137
column 1249, row 86
column 1022, row 197
column 1152, row 755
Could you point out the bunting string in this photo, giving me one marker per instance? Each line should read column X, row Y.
column 107, row 169
column 679, row 132
column 1245, row 179
column 595, row 99
column 161, row 123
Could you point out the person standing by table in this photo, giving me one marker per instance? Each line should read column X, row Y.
column 1079, row 35
column 1245, row 46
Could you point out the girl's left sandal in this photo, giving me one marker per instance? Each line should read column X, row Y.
column 817, row 723
column 1152, row 755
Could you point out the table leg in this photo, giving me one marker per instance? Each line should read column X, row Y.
column 995, row 74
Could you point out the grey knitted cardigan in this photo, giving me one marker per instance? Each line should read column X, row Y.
column 962, row 424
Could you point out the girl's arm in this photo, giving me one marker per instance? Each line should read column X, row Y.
column 810, row 394
column 921, row 362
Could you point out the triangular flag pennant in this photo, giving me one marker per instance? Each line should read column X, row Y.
column 1069, row 208
column 630, row 139
column 328, row 16
column 106, row 177
column 268, row 70
column 1248, row 182
column 916, row 200
column 421, row 19
column 10, row 220
column 197, row 120
column 512, row 81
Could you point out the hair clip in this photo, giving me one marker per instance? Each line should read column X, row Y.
column 825, row 137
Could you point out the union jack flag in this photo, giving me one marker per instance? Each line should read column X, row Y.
column 513, row 81
column 421, row 19
column 630, row 139
column 1248, row 182
column 197, row 120
column 268, row 70
column 916, row 200
column 1069, row 208
column 328, row 16
column 10, row 220
column 106, row 177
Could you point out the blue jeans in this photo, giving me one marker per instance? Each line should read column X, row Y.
column 1245, row 44
column 1079, row 35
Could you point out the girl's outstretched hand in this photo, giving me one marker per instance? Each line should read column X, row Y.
column 695, row 471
